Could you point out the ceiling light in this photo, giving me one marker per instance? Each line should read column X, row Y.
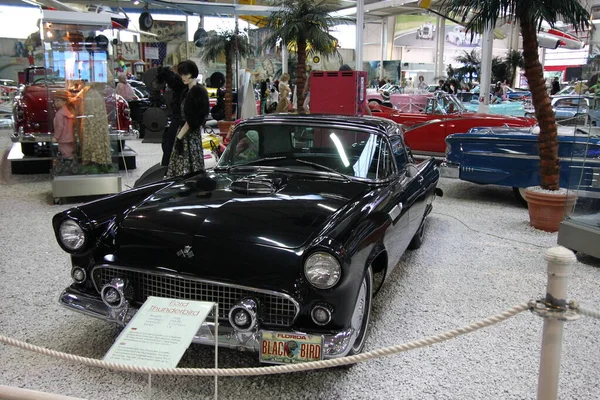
column 136, row 2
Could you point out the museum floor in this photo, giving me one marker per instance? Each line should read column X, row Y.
column 479, row 258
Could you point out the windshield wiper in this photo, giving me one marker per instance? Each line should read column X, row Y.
column 313, row 164
column 254, row 162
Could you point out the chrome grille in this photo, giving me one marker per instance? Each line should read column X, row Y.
column 277, row 308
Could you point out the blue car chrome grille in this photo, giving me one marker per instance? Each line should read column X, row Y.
column 277, row 308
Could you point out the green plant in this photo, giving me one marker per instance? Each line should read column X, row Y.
column 529, row 14
column 514, row 60
column 304, row 25
column 226, row 44
column 471, row 62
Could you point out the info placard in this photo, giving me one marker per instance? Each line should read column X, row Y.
column 159, row 333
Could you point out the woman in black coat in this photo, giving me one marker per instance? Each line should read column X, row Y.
column 188, row 155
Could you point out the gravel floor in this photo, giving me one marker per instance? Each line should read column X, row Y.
column 480, row 257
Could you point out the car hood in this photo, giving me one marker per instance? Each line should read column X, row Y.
column 272, row 208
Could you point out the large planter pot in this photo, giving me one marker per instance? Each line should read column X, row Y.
column 547, row 209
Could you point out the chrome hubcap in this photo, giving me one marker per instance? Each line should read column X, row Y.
column 359, row 315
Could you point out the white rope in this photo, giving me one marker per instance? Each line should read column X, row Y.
column 587, row 312
column 428, row 341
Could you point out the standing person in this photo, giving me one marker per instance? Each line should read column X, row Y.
column 188, row 155
column 125, row 90
column 422, row 85
column 283, row 105
column 306, row 105
column 555, row 86
column 263, row 97
column 173, row 89
column 410, row 85
column 63, row 125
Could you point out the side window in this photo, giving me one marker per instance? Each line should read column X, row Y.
column 384, row 163
column 400, row 153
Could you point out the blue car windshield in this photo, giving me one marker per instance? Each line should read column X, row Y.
column 346, row 151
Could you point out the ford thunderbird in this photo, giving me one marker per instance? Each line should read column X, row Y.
column 292, row 233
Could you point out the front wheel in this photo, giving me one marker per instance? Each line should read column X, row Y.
column 362, row 313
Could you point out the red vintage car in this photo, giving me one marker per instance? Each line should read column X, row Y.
column 33, row 110
column 443, row 116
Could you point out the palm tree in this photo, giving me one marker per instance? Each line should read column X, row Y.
column 529, row 15
column 500, row 70
column 471, row 62
column 226, row 44
column 306, row 24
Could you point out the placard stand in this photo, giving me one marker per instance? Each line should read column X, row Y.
column 160, row 332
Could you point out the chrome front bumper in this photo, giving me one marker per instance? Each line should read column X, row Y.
column 334, row 345
column 449, row 170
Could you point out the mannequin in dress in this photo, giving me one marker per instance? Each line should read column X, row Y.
column 95, row 147
column 188, row 154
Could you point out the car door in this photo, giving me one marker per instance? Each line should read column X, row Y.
column 402, row 197
column 416, row 195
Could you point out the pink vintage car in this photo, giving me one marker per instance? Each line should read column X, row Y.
column 403, row 102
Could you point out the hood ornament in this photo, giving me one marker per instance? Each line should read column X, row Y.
column 186, row 252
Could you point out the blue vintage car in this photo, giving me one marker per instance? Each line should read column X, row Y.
column 512, row 108
column 509, row 157
column 576, row 110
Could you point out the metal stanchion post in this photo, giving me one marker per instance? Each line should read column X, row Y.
column 560, row 261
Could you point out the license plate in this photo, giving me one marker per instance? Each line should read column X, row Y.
column 290, row 348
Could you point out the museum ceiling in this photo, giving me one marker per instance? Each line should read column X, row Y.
column 374, row 9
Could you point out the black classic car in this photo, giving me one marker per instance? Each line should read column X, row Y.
column 292, row 233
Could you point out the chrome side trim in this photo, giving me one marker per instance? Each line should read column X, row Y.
column 527, row 157
column 177, row 276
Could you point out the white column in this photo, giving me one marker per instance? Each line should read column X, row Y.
column 486, row 70
column 383, row 46
column 187, row 37
column 360, row 17
column 439, row 48
column 560, row 261
column 284, row 57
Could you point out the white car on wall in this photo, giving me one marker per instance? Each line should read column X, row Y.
column 460, row 37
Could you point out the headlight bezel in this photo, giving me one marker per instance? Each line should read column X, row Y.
column 82, row 242
column 310, row 265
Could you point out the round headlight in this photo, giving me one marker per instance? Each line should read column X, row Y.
column 322, row 270
column 71, row 235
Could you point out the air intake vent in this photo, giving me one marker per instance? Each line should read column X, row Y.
column 253, row 186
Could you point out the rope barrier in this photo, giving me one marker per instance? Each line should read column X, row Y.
column 415, row 344
column 585, row 311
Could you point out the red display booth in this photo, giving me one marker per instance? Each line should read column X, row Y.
column 338, row 92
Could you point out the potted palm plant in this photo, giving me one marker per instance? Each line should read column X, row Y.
column 529, row 15
column 303, row 25
column 226, row 44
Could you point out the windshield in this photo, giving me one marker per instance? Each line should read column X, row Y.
column 444, row 104
column 346, row 151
